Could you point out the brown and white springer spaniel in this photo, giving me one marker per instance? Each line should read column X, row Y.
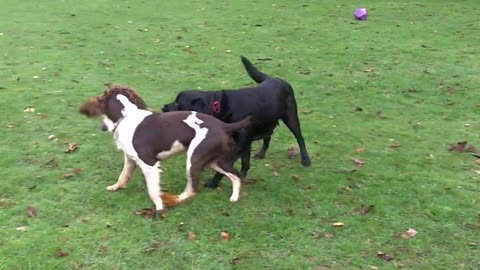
column 147, row 138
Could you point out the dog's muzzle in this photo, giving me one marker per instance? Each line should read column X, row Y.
column 170, row 107
column 104, row 127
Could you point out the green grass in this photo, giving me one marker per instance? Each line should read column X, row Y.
column 412, row 69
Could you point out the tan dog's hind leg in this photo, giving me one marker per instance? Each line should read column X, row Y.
column 126, row 174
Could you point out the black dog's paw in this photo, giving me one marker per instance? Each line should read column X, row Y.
column 260, row 155
column 211, row 184
column 306, row 162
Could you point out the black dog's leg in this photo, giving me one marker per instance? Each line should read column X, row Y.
column 246, row 159
column 291, row 121
column 213, row 183
column 263, row 151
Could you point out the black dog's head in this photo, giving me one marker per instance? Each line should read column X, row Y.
column 193, row 100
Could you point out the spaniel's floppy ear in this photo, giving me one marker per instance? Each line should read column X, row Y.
column 93, row 107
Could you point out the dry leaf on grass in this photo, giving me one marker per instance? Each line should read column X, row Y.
column 384, row 256
column 361, row 149
column 145, row 212
column 225, row 235
column 358, row 109
column 152, row 248
column 338, row 224
column 292, row 152
column 29, row 109
column 191, row 236
column 394, row 145
column 67, row 175
column 290, row 210
column 410, row 233
column 31, row 212
column 366, row 209
column 462, row 146
column 181, row 226
column 61, row 253
column 358, row 162
column 78, row 170
column 72, row 147
column 21, row 229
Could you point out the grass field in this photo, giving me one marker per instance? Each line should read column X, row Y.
column 392, row 93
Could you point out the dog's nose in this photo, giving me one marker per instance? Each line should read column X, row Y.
column 104, row 127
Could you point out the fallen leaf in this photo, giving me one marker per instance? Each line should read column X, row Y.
column 358, row 162
column 225, row 235
column 338, row 224
column 290, row 210
column 306, row 111
column 462, row 146
column 366, row 209
column 21, row 229
column 191, row 236
column 384, row 256
column 189, row 49
column 78, row 170
column 67, row 175
column 361, row 149
column 63, row 239
column 234, row 260
column 292, row 152
column 358, row 109
column 152, row 248
column 440, row 84
column 145, row 212
column 411, row 232
column 379, row 114
column 328, row 235
column 29, row 109
column 394, row 145
column 373, row 267
column 276, row 174
column 31, row 212
column 181, row 226
column 42, row 116
column 51, row 137
column 103, row 248
column 52, row 163
column 61, row 253
column 71, row 147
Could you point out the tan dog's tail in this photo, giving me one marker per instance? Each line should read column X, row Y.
column 232, row 127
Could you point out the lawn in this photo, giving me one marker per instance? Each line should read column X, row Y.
column 380, row 103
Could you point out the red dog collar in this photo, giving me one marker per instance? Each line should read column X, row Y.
column 216, row 106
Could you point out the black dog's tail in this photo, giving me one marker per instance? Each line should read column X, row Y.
column 253, row 72
column 232, row 127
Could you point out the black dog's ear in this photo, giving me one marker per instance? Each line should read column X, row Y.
column 199, row 105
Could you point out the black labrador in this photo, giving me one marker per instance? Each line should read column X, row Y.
column 269, row 101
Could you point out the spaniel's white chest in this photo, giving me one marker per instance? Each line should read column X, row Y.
column 125, row 130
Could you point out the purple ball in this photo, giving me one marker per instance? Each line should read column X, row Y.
column 360, row 14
